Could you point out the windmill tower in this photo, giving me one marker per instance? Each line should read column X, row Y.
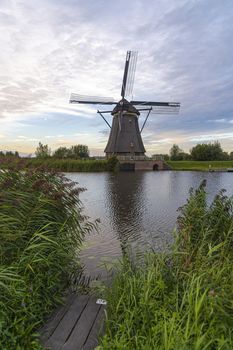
column 125, row 140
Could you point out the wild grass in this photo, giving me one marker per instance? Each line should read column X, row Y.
column 64, row 165
column 41, row 231
column 182, row 299
column 200, row 165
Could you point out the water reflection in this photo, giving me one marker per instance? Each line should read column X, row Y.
column 126, row 205
column 137, row 209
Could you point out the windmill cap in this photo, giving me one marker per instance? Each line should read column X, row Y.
column 127, row 107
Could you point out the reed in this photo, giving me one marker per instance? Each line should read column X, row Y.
column 62, row 165
column 42, row 229
column 181, row 299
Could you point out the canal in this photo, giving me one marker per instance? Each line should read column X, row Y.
column 137, row 210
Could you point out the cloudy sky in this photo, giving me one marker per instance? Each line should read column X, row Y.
column 50, row 48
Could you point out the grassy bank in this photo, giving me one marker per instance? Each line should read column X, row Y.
column 182, row 299
column 41, row 230
column 200, row 165
column 64, row 165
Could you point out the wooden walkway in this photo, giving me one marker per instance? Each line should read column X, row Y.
column 75, row 325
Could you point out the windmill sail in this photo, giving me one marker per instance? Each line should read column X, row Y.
column 129, row 73
column 158, row 107
column 75, row 98
column 153, row 103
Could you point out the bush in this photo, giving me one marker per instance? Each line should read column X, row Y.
column 41, row 229
column 112, row 163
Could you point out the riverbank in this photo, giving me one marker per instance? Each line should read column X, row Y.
column 92, row 165
column 62, row 165
column 42, row 230
column 201, row 165
column 182, row 299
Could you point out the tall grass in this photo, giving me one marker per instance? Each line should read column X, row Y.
column 64, row 165
column 182, row 299
column 41, row 230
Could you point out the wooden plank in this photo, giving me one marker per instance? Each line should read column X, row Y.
column 82, row 328
column 54, row 319
column 96, row 331
column 68, row 322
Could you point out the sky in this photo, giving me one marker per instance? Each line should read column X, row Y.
column 50, row 48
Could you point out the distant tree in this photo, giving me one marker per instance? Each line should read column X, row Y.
column 184, row 156
column 9, row 154
column 42, row 151
column 17, row 154
column 176, row 153
column 231, row 155
column 225, row 156
column 79, row 151
column 61, row 152
column 2, row 154
column 208, row 151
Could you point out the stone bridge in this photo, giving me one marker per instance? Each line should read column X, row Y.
column 131, row 165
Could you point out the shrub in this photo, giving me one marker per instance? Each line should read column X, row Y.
column 41, row 228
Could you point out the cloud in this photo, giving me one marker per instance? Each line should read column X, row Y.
column 52, row 48
column 204, row 138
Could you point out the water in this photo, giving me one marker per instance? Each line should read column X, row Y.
column 137, row 209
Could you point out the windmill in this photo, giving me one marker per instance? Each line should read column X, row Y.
column 125, row 135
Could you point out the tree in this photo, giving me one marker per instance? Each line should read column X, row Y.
column 225, row 156
column 208, row 151
column 42, row 151
column 9, row 154
column 79, row 151
column 231, row 155
column 176, row 153
column 61, row 152
column 184, row 156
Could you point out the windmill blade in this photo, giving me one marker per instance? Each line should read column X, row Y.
column 76, row 98
column 152, row 103
column 165, row 110
column 129, row 72
column 120, row 116
column 158, row 107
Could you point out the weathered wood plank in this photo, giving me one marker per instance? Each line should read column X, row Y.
column 82, row 328
column 96, row 331
column 68, row 322
column 54, row 319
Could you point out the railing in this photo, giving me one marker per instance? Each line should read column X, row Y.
column 131, row 157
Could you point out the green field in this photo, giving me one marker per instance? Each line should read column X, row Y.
column 200, row 165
